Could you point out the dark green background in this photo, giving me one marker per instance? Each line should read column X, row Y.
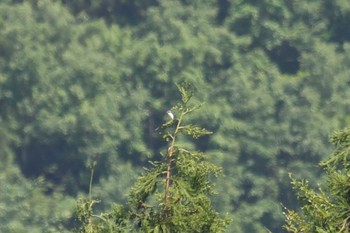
column 92, row 80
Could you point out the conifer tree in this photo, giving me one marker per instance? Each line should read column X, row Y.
column 171, row 196
column 325, row 210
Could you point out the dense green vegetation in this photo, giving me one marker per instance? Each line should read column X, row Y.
column 84, row 81
column 325, row 209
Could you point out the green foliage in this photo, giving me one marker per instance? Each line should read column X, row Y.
column 85, row 80
column 24, row 206
column 103, row 223
column 66, row 112
column 91, row 223
column 325, row 210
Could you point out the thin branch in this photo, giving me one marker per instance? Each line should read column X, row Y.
column 170, row 155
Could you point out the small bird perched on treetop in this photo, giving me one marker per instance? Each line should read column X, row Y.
column 170, row 114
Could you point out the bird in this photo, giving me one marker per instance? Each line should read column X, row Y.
column 170, row 114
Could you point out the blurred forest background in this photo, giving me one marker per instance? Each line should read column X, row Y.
column 91, row 80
